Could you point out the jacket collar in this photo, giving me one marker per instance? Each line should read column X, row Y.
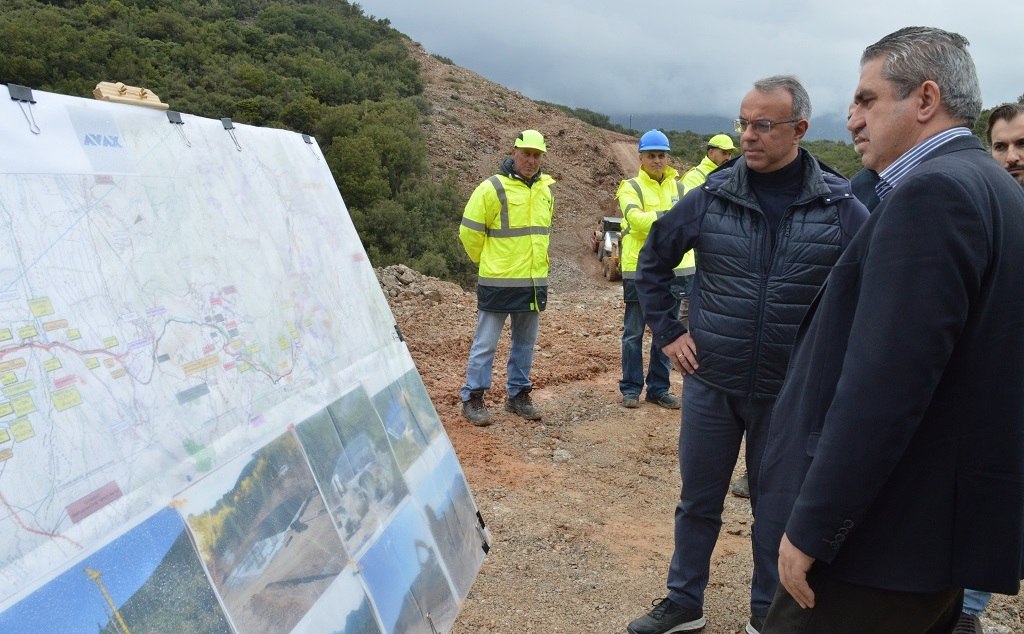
column 508, row 170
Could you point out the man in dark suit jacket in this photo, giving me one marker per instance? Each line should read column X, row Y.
column 895, row 458
column 863, row 185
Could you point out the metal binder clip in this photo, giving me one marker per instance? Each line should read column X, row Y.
column 484, row 533
column 309, row 141
column 230, row 127
column 23, row 95
column 175, row 118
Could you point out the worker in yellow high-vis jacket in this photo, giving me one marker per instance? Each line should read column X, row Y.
column 642, row 200
column 720, row 149
column 505, row 230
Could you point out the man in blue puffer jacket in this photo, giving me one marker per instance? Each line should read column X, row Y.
column 767, row 228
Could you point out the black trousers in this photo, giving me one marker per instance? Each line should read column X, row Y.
column 846, row 608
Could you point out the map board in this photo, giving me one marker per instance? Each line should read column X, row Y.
column 208, row 419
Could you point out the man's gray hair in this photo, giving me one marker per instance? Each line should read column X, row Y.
column 916, row 54
column 792, row 85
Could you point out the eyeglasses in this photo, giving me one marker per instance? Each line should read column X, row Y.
column 761, row 126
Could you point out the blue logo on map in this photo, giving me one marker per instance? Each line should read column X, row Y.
column 102, row 140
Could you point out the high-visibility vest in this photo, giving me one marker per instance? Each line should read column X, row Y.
column 696, row 175
column 643, row 200
column 505, row 230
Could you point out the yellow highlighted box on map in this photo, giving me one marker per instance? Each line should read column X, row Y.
column 40, row 306
column 66, row 399
column 22, row 430
column 19, row 388
column 23, row 405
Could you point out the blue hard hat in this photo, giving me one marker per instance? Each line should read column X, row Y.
column 653, row 140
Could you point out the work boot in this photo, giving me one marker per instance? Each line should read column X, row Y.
column 521, row 405
column 667, row 400
column 475, row 410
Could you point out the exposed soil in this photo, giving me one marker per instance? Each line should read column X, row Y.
column 580, row 504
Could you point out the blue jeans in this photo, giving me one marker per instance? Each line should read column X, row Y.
column 520, row 356
column 712, row 427
column 632, row 381
column 975, row 601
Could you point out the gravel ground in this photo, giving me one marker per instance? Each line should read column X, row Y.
column 579, row 505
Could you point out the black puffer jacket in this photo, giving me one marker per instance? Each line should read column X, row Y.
column 751, row 293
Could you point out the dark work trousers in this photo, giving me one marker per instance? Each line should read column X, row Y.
column 847, row 608
column 713, row 424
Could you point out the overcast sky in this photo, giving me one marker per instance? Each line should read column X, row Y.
column 607, row 56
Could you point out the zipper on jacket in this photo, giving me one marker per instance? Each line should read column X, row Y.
column 755, row 359
column 766, row 273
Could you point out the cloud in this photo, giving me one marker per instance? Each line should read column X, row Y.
column 670, row 57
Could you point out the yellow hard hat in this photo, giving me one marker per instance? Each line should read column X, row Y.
column 722, row 142
column 531, row 139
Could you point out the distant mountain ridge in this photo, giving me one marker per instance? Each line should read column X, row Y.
column 831, row 127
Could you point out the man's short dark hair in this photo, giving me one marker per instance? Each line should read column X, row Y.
column 1004, row 112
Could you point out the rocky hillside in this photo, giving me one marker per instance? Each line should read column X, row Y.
column 471, row 128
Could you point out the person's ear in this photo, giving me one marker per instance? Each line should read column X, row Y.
column 800, row 129
column 929, row 101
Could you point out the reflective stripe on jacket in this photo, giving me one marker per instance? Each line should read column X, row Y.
column 696, row 175
column 506, row 230
column 642, row 200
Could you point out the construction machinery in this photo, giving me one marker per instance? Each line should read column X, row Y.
column 605, row 242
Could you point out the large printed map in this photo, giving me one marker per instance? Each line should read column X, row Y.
column 171, row 296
